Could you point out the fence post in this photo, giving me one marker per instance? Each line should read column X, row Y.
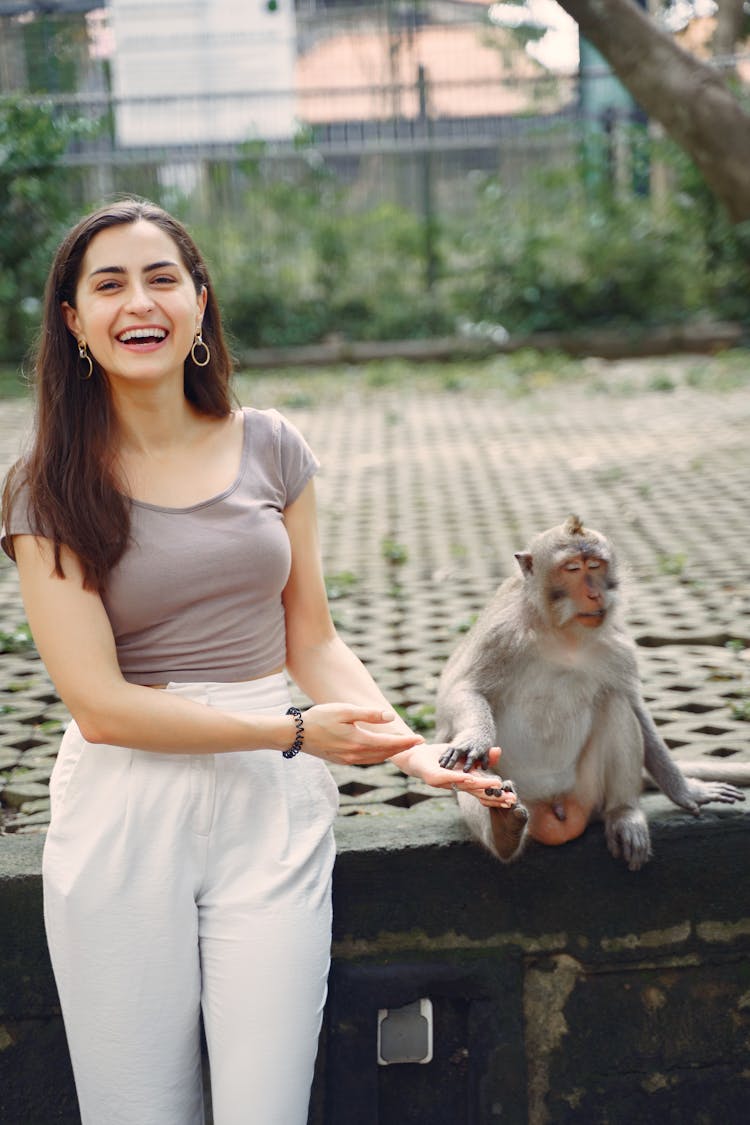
column 425, row 177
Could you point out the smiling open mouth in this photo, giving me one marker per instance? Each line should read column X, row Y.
column 142, row 336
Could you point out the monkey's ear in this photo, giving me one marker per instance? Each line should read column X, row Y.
column 525, row 561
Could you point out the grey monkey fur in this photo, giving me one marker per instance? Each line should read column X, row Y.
column 565, row 704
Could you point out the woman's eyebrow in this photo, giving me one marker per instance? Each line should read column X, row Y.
column 146, row 269
column 107, row 269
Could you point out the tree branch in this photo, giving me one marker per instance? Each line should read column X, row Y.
column 689, row 98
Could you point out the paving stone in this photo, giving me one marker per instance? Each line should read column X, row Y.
column 461, row 481
column 17, row 794
column 41, row 758
column 39, row 805
column 22, row 775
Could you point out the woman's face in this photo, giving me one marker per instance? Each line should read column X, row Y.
column 136, row 305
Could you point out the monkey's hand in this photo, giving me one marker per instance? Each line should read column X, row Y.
column 424, row 762
column 687, row 792
column 467, row 751
column 500, row 794
column 699, row 793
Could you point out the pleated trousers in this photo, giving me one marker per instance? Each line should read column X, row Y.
column 181, row 883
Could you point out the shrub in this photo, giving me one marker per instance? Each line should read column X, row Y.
column 35, row 210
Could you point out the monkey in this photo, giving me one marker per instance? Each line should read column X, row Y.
column 549, row 673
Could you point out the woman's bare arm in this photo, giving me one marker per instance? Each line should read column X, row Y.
column 326, row 669
column 74, row 638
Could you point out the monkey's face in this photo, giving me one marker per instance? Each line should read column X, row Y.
column 580, row 591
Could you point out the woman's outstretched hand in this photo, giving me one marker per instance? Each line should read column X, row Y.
column 424, row 762
column 333, row 732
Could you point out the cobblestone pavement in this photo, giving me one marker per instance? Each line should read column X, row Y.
column 427, row 489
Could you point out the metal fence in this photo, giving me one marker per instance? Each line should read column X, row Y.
column 412, row 154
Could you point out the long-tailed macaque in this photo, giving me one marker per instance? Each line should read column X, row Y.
column 549, row 674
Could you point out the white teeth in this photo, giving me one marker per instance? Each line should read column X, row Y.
column 141, row 334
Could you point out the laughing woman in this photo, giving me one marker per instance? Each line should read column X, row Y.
column 169, row 565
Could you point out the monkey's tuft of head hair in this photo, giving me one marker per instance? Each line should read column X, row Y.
column 551, row 547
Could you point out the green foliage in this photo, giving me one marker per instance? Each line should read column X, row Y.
column 13, row 383
column 419, row 716
column 564, row 263
column 35, row 209
column 297, row 257
column 739, row 707
column 394, row 552
column 725, row 246
column 52, row 51
column 295, row 263
column 673, row 564
column 467, row 624
column 17, row 640
column 741, row 710
column 340, row 585
column 661, row 382
column 578, row 250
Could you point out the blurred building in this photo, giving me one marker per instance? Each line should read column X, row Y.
column 217, row 72
column 227, row 68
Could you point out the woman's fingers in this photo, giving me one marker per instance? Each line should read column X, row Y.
column 333, row 731
column 490, row 790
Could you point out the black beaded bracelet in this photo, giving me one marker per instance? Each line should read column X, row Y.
column 296, row 746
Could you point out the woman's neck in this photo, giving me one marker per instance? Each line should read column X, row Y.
column 152, row 420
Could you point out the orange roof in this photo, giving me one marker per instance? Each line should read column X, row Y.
column 474, row 71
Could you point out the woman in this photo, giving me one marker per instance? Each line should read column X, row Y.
column 168, row 559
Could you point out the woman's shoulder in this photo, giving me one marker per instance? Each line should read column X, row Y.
column 276, row 443
column 17, row 516
column 268, row 418
column 16, row 493
column 273, row 424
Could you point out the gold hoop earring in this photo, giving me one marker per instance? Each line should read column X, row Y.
column 199, row 342
column 83, row 352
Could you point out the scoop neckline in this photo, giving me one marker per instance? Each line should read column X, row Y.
column 219, row 496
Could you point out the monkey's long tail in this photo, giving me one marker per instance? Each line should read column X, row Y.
column 733, row 773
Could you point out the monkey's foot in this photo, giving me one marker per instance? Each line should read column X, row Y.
column 628, row 837
column 508, row 828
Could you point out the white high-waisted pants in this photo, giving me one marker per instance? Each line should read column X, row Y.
column 175, row 882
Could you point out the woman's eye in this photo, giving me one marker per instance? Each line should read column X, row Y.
column 104, row 286
column 163, row 279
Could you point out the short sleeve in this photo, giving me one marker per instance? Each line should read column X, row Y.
column 298, row 462
column 18, row 520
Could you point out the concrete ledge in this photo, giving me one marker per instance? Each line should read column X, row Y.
column 565, row 988
column 627, row 342
column 421, row 872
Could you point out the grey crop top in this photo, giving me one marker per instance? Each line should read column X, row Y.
column 197, row 594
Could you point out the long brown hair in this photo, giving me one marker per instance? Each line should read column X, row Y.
column 73, row 498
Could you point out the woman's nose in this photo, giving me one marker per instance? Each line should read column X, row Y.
column 139, row 299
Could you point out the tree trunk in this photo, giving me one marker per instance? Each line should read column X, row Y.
column 689, row 98
column 729, row 19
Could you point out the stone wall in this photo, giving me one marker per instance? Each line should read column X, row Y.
column 564, row 988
